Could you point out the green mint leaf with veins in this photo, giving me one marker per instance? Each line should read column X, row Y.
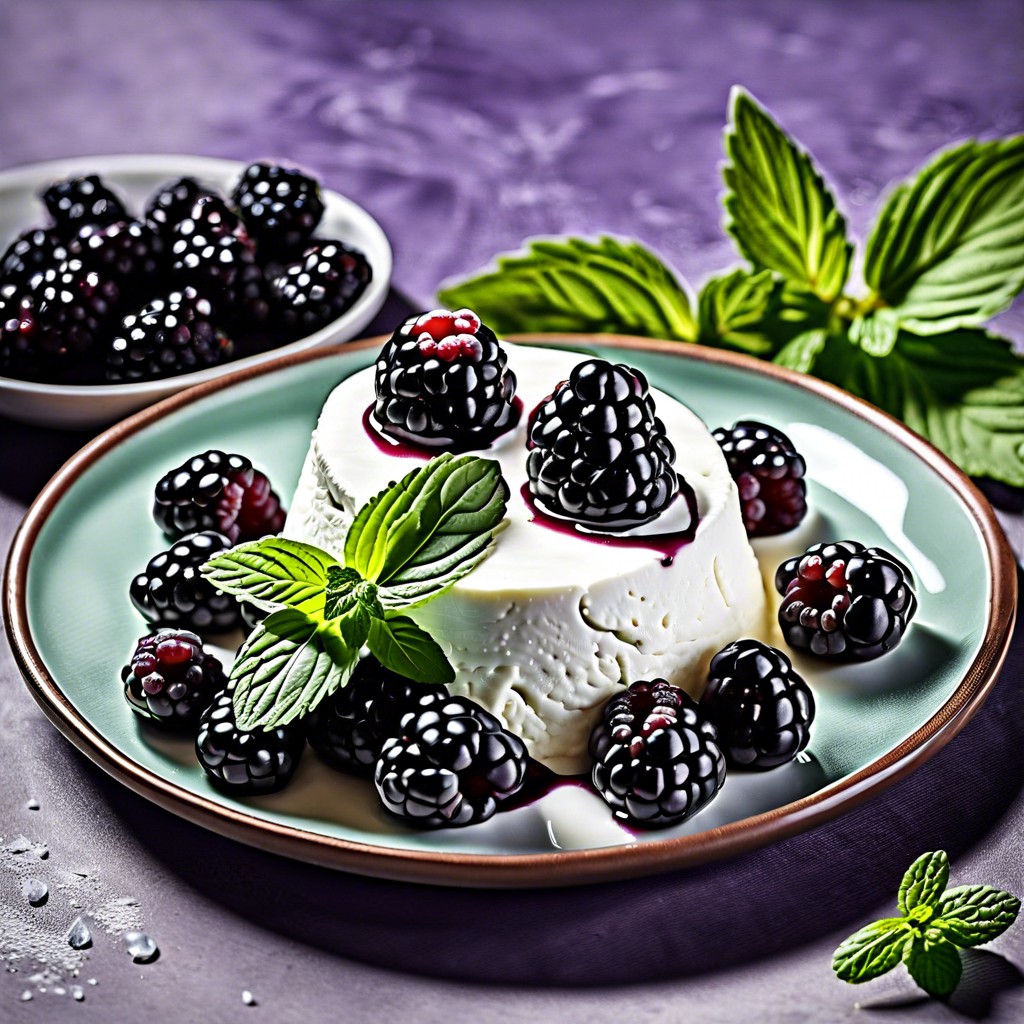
column 733, row 311
column 971, row 915
column 273, row 573
column 421, row 535
column 578, row 285
column 346, row 590
column 778, row 209
column 934, row 964
column 802, row 352
column 947, row 249
column 408, row 649
column 924, row 882
column 872, row 951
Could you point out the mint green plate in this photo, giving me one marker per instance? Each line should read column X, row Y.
column 869, row 479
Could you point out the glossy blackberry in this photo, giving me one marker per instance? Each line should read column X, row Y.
column 217, row 491
column 76, row 202
column 845, row 601
column 349, row 728
column 656, row 759
column 281, row 206
column 172, row 592
column 598, row 453
column 442, row 382
column 171, row 204
column 31, row 253
column 246, row 761
column 175, row 333
column 321, row 285
column 23, row 347
column 769, row 475
column 128, row 251
column 761, row 707
column 171, row 680
column 452, row 765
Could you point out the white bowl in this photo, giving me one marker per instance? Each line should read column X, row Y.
column 136, row 177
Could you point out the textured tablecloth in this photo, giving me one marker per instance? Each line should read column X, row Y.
column 465, row 127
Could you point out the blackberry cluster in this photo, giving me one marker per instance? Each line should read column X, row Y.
column 598, row 453
column 348, row 729
column 172, row 592
column 761, row 707
column 95, row 295
column 246, row 761
column 171, row 680
column 656, row 759
column 769, row 475
column 442, row 382
column 220, row 492
column 451, row 765
column 845, row 601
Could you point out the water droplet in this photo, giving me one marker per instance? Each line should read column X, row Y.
column 42, row 851
column 19, row 845
column 26, row 996
column 92, row 981
column 126, row 901
column 79, row 936
column 35, row 891
column 248, row 998
column 77, row 993
column 141, row 947
column 58, row 990
column 32, row 805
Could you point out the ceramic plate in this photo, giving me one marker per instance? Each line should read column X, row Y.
column 136, row 178
column 72, row 626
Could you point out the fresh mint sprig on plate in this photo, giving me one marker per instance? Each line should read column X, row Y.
column 406, row 546
column 935, row 922
column 946, row 254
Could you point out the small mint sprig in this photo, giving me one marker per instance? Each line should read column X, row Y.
column 406, row 546
column 935, row 922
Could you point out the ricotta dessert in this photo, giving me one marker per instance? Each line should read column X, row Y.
column 557, row 619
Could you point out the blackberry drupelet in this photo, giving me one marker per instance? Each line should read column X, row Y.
column 76, row 202
column 348, row 729
column 442, row 382
column 281, row 206
column 174, row 333
column 656, row 759
column 769, row 475
column 171, row 204
column 241, row 761
column 23, row 346
column 171, row 680
column 127, row 251
column 761, row 707
column 172, row 592
column 217, row 491
column 845, row 601
column 598, row 453
column 321, row 285
column 29, row 254
column 452, row 765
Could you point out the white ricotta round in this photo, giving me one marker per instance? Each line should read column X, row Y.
column 552, row 624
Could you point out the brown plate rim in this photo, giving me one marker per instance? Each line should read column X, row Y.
column 570, row 867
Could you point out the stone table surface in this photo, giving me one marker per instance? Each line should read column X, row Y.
column 465, row 127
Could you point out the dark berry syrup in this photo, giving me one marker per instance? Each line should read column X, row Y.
column 541, row 780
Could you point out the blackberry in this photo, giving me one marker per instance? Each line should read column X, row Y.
column 217, row 491
column 845, row 601
column 76, row 202
column 598, row 453
column 172, row 592
column 23, row 346
column 126, row 251
column 171, row 204
column 769, row 475
column 29, row 254
column 281, row 206
column 656, row 759
column 762, row 708
column 442, row 382
column 175, row 333
column 451, row 765
column 246, row 761
column 348, row 729
column 171, row 680
column 324, row 282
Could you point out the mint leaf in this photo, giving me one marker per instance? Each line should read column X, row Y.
column 924, row 881
column 876, row 333
column 975, row 914
column 285, row 668
column 417, row 538
column 933, row 963
column 872, row 951
column 802, row 352
column 947, row 249
column 778, row 208
column 346, row 589
column 573, row 284
column 273, row 573
column 404, row 647
column 733, row 311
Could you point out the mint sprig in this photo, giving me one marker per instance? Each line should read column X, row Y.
column 935, row 922
column 946, row 253
column 406, row 546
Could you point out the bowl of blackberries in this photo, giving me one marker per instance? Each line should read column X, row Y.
column 124, row 279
